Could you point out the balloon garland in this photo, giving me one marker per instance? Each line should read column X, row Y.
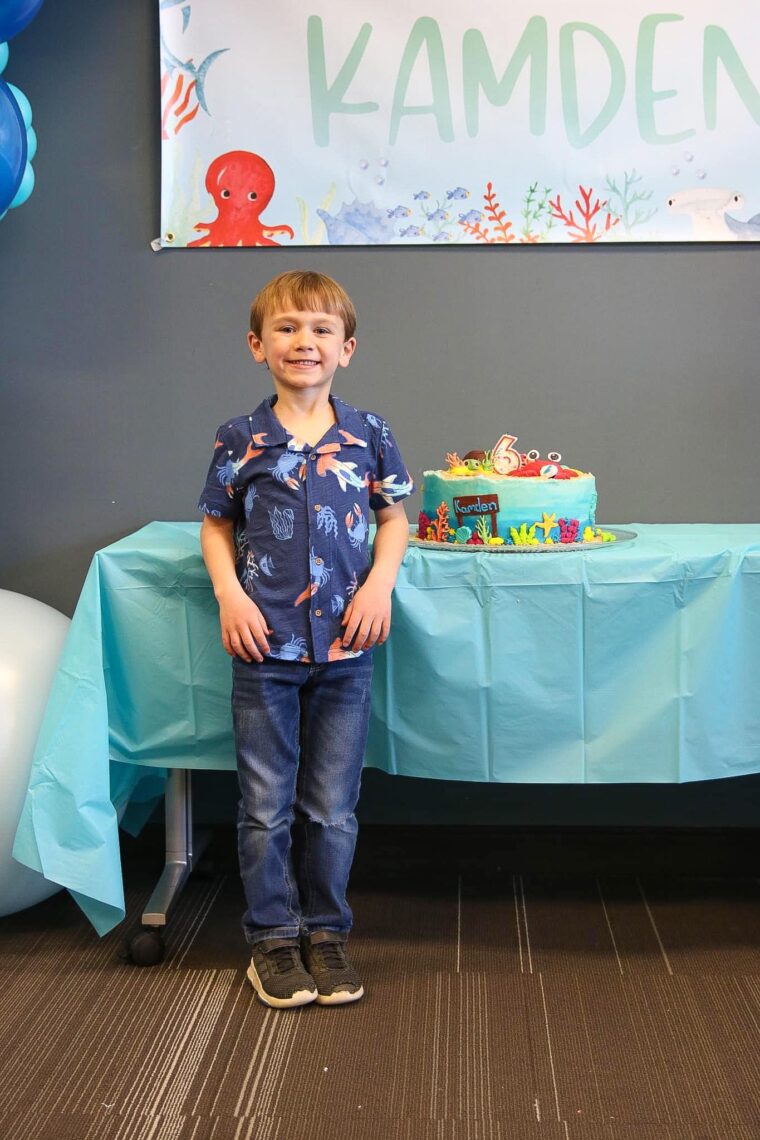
column 18, row 141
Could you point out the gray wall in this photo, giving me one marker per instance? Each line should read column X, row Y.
column 639, row 363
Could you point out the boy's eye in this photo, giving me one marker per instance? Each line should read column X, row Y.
column 225, row 193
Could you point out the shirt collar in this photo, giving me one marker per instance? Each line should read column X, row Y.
column 264, row 422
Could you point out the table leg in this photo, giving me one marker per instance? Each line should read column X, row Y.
column 182, row 851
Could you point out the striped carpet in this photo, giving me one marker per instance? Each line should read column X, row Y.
column 577, row 986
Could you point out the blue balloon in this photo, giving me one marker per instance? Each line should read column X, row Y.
column 13, row 147
column 15, row 15
column 25, row 187
column 4, row 53
column 24, row 106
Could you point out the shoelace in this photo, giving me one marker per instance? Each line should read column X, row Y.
column 284, row 958
column 332, row 955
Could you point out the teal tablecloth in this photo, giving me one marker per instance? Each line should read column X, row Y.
column 637, row 662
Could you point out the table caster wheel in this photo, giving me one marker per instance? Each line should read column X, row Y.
column 146, row 948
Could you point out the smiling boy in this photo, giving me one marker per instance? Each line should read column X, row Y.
column 285, row 540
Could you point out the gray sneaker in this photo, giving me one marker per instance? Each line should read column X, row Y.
column 325, row 958
column 277, row 974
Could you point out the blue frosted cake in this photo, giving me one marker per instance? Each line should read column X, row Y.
column 506, row 497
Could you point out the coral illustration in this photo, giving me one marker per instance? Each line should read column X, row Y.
column 628, row 200
column 423, row 525
column 441, row 525
column 568, row 530
column 583, row 229
column 483, row 529
column 497, row 217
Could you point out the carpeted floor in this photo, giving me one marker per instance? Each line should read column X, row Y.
column 581, row 985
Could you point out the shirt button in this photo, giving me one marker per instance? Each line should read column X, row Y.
column 317, row 613
column 317, row 506
column 318, row 561
column 313, row 455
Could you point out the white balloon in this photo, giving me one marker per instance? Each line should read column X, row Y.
column 31, row 639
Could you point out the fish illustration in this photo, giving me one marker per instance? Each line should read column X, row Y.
column 442, row 236
column 421, row 195
column 706, row 206
column 188, row 68
column 352, row 438
column 336, row 652
column 399, row 212
column 412, row 231
column 438, row 215
column 389, row 489
column 472, row 216
column 345, row 473
column 458, row 192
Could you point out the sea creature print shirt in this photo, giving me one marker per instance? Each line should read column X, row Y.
column 301, row 516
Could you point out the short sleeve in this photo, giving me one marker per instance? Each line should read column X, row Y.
column 390, row 481
column 221, row 497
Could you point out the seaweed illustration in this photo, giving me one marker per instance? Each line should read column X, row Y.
column 585, row 228
column 318, row 235
column 497, row 217
column 524, row 535
column 629, row 199
column 537, row 218
column 185, row 205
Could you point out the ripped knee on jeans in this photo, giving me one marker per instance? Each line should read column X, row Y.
column 326, row 819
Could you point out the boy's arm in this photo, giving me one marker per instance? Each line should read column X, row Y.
column 244, row 630
column 367, row 619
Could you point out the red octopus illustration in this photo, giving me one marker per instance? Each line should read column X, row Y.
column 241, row 184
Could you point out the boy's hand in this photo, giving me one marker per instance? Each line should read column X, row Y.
column 244, row 630
column 368, row 616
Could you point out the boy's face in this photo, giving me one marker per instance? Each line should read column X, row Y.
column 303, row 349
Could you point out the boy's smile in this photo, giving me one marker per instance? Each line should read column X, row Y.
column 303, row 349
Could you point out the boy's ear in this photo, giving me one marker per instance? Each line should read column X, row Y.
column 257, row 348
column 349, row 347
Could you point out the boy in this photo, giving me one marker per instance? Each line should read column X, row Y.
column 284, row 538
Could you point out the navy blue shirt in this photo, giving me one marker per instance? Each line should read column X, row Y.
column 301, row 517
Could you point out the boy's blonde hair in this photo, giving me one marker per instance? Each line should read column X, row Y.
column 306, row 291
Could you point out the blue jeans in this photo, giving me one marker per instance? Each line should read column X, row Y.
column 300, row 735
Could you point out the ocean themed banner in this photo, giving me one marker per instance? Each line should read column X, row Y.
column 359, row 123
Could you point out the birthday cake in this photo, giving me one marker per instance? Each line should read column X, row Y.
column 507, row 497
